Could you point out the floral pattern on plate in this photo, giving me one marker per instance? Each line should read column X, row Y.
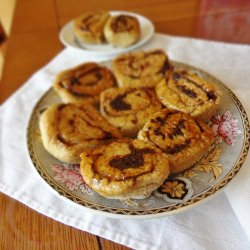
column 69, row 175
column 209, row 163
column 177, row 190
column 226, row 127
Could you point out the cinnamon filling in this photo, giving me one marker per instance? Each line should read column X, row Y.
column 162, row 121
column 166, row 66
column 87, row 22
column 187, row 91
column 142, row 64
column 178, row 129
column 64, row 141
column 122, row 24
column 158, row 132
column 133, row 160
column 119, row 104
column 71, row 122
column 88, row 76
column 178, row 76
column 178, row 147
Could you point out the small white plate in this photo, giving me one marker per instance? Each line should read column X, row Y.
column 68, row 38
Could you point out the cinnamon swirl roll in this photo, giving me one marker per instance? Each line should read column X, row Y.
column 129, row 108
column 184, row 139
column 125, row 169
column 122, row 30
column 84, row 82
column 141, row 69
column 89, row 27
column 186, row 92
column 69, row 129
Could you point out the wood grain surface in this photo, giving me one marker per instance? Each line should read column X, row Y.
column 34, row 41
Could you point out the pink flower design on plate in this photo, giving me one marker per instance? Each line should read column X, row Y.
column 71, row 177
column 226, row 127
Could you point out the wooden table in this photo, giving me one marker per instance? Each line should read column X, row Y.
column 34, row 42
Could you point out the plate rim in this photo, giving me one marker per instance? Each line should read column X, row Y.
column 115, row 51
column 150, row 212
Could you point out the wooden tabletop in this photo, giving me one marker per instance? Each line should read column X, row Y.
column 34, row 41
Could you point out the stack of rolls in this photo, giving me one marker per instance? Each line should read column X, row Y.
column 131, row 126
column 98, row 27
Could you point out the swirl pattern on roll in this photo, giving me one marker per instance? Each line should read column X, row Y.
column 69, row 129
column 125, row 169
column 187, row 92
column 184, row 139
column 89, row 27
column 122, row 30
column 129, row 108
column 141, row 68
column 84, row 82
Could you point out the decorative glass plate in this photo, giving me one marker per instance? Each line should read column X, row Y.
column 68, row 38
column 195, row 185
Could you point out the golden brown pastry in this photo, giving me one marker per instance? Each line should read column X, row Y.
column 89, row 27
column 122, row 30
column 186, row 92
column 69, row 129
column 129, row 108
column 125, row 169
column 141, row 68
column 184, row 139
column 84, row 82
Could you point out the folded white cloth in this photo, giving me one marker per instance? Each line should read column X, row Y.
column 221, row 223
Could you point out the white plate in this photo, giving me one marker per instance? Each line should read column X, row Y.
column 197, row 184
column 68, row 38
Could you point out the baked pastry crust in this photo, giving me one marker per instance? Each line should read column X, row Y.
column 187, row 92
column 184, row 139
column 140, row 68
column 124, row 169
column 89, row 27
column 84, row 82
column 129, row 108
column 122, row 30
column 69, row 129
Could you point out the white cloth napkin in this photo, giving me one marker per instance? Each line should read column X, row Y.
column 221, row 223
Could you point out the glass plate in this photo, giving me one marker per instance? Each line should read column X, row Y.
column 195, row 185
column 68, row 38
